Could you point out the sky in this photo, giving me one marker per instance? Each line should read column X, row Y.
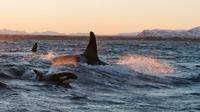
column 100, row 16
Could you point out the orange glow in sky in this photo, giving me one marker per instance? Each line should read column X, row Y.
column 101, row 16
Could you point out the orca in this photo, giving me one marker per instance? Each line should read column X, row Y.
column 61, row 78
column 90, row 56
column 25, row 73
column 34, row 48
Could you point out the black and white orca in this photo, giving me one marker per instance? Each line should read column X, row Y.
column 61, row 78
column 90, row 56
column 26, row 73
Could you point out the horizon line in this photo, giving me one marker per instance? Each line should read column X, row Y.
column 85, row 33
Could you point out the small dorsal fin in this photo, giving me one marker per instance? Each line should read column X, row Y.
column 91, row 51
column 39, row 75
column 34, row 48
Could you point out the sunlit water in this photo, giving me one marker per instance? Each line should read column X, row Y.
column 141, row 76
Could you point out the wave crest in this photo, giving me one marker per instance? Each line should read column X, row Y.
column 145, row 64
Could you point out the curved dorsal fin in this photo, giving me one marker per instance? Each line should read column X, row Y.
column 91, row 51
column 34, row 48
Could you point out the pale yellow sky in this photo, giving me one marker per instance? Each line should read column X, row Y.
column 101, row 16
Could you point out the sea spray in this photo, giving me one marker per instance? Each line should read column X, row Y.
column 49, row 55
column 146, row 64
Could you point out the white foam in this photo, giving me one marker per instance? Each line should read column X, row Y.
column 146, row 64
column 50, row 55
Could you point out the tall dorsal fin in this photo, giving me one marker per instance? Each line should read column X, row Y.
column 91, row 51
column 34, row 48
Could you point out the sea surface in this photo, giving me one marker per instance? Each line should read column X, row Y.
column 142, row 76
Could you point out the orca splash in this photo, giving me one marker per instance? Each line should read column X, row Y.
column 90, row 56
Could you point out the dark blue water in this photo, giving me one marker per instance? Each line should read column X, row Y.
column 141, row 76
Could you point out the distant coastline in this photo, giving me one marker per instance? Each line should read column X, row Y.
column 69, row 37
column 146, row 35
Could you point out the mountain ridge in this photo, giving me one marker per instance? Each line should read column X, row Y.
column 161, row 33
column 191, row 33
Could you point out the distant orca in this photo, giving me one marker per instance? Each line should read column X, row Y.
column 62, row 78
column 90, row 56
column 34, row 48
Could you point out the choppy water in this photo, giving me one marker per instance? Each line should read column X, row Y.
column 141, row 76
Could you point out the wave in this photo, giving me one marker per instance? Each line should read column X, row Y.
column 146, row 64
column 133, row 71
column 3, row 86
column 119, row 76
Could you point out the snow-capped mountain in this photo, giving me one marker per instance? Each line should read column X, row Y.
column 192, row 33
column 12, row 32
column 128, row 34
column 47, row 33
column 195, row 31
column 79, row 34
column 53, row 33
